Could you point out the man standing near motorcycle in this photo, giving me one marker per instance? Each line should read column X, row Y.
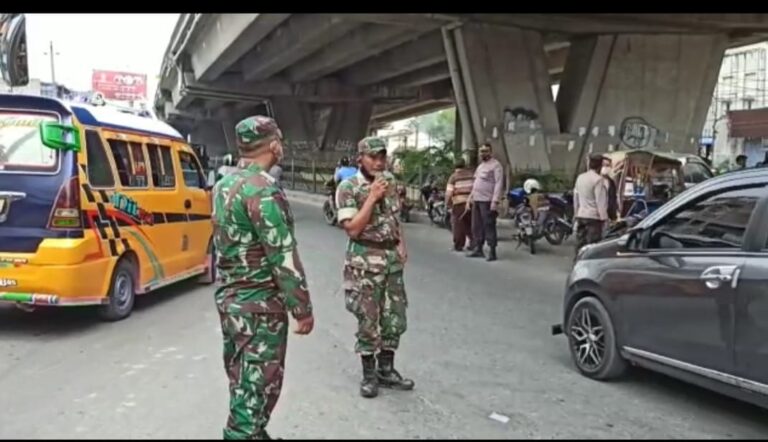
column 456, row 198
column 484, row 200
column 373, row 269
column 590, row 201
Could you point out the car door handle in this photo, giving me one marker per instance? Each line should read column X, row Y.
column 713, row 277
column 187, row 204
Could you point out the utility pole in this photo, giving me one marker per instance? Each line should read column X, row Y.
column 51, row 53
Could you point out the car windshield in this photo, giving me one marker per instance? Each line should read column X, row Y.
column 20, row 145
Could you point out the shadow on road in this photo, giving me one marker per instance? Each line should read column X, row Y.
column 665, row 389
column 62, row 321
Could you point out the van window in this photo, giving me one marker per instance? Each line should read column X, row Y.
column 193, row 175
column 20, row 147
column 718, row 221
column 139, row 164
column 125, row 167
column 99, row 170
column 163, row 173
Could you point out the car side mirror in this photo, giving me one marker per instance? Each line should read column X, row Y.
column 631, row 239
column 13, row 50
column 59, row 136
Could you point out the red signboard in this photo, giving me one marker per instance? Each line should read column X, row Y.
column 120, row 85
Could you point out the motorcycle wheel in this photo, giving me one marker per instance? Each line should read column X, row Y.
column 329, row 213
column 553, row 232
column 532, row 244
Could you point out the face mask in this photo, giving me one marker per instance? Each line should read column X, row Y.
column 605, row 171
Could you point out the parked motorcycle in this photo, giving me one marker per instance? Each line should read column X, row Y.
column 559, row 225
column 329, row 205
column 437, row 211
column 530, row 212
column 405, row 207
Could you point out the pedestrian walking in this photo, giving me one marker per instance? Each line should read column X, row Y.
column 261, row 278
column 613, row 200
column 590, row 200
column 456, row 197
column 484, row 200
column 373, row 268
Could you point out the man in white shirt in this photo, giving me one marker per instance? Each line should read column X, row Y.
column 590, row 200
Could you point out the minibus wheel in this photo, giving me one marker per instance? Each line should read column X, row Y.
column 122, row 292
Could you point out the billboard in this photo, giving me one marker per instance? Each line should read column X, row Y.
column 122, row 86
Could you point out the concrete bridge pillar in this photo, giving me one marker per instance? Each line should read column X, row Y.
column 212, row 134
column 347, row 124
column 617, row 92
column 502, row 88
column 635, row 91
column 296, row 120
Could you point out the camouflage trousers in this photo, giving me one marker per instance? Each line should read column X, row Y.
column 379, row 302
column 254, row 358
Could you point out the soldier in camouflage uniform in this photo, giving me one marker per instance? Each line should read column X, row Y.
column 373, row 270
column 260, row 278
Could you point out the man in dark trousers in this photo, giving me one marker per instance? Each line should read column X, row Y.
column 484, row 200
column 590, row 200
column 456, row 197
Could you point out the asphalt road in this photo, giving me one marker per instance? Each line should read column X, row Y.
column 478, row 343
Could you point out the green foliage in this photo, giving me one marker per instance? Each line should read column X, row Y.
column 416, row 165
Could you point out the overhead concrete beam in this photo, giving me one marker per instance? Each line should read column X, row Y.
column 359, row 44
column 226, row 39
column 298, row 37
column 572, row 24
column 410, row 110
column 422, row 52
column 405, row 19
column 429, row 74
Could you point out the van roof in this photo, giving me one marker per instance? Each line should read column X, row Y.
column 107, row 117
column 112, row 118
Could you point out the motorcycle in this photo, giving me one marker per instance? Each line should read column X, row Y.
column 329, row 205
column 529, row 223
column 405, row 208
column 559, row 225
column 437, row 211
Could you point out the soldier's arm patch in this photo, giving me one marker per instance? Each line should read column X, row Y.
column 345, row 201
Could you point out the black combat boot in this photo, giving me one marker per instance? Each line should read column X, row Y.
column 369, row 387
column 492, row 254
column 388, row 376
column 477, row 252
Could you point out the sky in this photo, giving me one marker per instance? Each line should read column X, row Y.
column 121, row 42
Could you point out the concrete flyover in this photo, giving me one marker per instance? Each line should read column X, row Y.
column 637, row 80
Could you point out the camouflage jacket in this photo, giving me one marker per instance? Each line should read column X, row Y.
column 383, row 226
column 257, row 259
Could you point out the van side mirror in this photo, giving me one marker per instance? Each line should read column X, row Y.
column 59, row 136
column 13, row 50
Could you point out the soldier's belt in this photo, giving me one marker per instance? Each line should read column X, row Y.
column 383, row 245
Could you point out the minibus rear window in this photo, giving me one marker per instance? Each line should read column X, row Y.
column 20, row 147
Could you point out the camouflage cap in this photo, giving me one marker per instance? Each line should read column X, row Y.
column 371, row 145
column 251, row 131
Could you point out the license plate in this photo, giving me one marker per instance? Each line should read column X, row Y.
column 529, row 230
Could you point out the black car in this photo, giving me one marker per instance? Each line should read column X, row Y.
column 685, row 292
